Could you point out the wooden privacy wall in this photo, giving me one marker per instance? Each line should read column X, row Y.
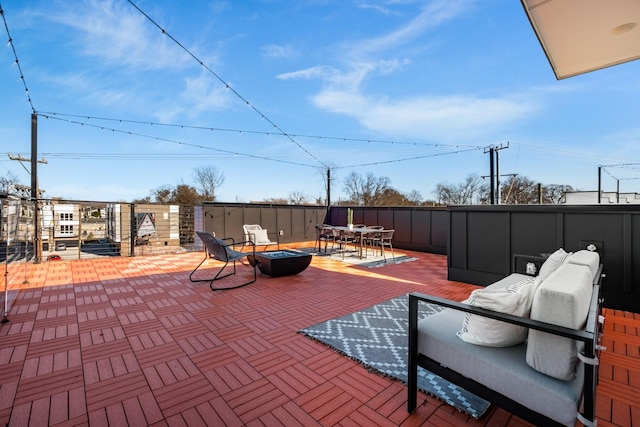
column 417, row 228
column 484, row 240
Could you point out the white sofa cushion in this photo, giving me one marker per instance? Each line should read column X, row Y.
column 562, row 299
column 514, row 299
column 585, row 257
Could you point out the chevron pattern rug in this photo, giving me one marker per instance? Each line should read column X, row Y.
column 377, row 338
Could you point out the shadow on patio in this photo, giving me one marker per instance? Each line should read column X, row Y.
column 119, row 341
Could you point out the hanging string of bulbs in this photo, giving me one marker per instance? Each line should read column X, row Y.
column 173, row 141
column 128, row 132
column 256, row 132
column 279, row 131
column 228, row 87
column 16, row 61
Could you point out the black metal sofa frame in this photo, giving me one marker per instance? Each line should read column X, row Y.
column 589, row 336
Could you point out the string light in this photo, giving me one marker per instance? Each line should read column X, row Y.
column 53, row 116
column 156, row 138
column 16, row 62
column 255, row 132
column 236, row 93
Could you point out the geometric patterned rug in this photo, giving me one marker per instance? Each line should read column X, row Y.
column 376, row 337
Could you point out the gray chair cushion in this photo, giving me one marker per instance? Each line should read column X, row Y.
column 502, row 369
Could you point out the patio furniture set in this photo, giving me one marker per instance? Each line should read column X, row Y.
column 361, row 236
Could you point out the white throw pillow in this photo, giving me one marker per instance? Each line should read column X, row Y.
column 515, row 299
column 259, row 236
column 551, row 264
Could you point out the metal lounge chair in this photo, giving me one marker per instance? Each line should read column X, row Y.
column 220, row 250
column 259, row 236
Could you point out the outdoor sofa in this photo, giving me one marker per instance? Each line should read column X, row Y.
column 539, row 360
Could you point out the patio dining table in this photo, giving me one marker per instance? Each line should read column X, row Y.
column 361, row 231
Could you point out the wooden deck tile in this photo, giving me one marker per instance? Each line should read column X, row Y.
column 132, row 340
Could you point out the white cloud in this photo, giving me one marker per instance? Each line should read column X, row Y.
column 434, row 14
column 274, row 51
column 334, row 77
column 452, row 118
column 200, row 94
column 456, row 118
column 119, row 34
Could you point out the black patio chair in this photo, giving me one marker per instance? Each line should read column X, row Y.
column 220, row 250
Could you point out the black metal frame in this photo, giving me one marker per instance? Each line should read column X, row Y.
column 218, row 250
column 589, row 336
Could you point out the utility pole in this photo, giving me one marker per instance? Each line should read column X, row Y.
column 492, row 194
column 599, row 183
column 497, row 150
column 494, row 174
column 328, row 192
column 35, row 191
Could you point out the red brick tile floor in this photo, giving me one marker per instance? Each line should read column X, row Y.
column 132, row 341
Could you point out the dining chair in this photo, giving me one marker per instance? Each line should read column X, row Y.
column 323, row 234
column 370, row 238
column 356, row 236
column 385, row 240
column 342, row 238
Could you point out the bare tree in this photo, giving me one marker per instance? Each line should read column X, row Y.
column 415, row 197
column 297, row 197
column 366, row 191
column 209, row 179
column 466, row 192
column 554, row 193
column 8, row 182
column 519, row 190
column 276, row 200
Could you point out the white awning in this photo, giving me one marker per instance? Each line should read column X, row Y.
column 579, row 36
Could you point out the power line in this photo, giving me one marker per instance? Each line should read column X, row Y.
column 227, row 86
column 17, row 62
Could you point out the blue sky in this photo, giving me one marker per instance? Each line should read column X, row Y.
column 410, row 90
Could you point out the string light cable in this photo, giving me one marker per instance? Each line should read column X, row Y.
column 383, row 162
column 16, row 61
column 55, row 116
column 228, row 87
column 173, row 141
column 257, row 132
